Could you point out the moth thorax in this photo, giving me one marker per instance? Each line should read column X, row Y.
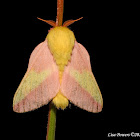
column 61, row 42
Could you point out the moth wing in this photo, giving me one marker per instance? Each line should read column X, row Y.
column 78, row 82
column 40, row 83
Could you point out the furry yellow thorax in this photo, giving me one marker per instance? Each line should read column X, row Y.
column 61, row 42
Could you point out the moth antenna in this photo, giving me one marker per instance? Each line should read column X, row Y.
column 69, row 22
column 50, row 22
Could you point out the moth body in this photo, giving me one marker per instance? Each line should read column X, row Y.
column 61, row 42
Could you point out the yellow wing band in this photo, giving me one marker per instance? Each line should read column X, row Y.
column 87, row 81
column 32, row 80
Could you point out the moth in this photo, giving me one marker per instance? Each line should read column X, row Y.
column 59, row 70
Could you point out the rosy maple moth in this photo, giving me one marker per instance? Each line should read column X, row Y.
column 59, row 69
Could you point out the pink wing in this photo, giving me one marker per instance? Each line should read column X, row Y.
column 40, row 83
column 78, row 83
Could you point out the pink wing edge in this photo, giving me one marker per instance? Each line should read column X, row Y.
column 70, row 87
column 40, row 59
